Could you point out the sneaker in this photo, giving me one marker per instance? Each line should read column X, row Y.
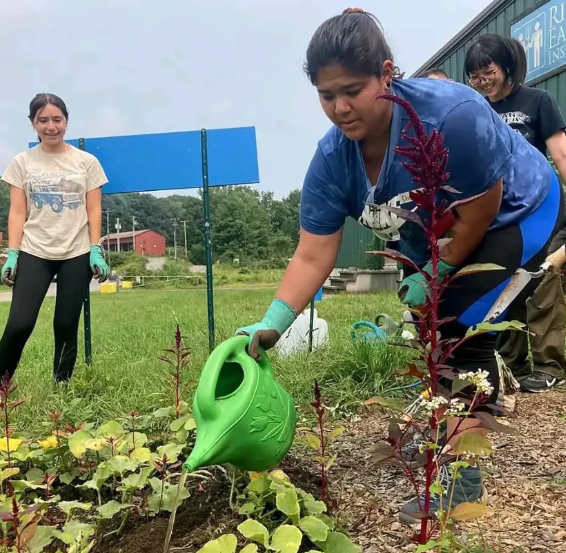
column 411, row 452
column 468, row 488
column 539, row 382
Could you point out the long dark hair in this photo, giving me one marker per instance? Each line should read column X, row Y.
column 508, row 53
column 354, row 39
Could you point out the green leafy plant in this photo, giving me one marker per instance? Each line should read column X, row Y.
column 282, row 518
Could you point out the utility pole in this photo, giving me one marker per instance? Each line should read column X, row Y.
column 107, row 211
column 185, row 231
column 134, row 231
column 118, row 227
column 175, row 236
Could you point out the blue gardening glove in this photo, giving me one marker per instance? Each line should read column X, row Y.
column 98, row 265
column 413, row 289
column 10, row 267
column 265, row 334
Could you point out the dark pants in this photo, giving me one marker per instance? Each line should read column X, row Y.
column 33, row 277
column 545, row 314
column 468, row 299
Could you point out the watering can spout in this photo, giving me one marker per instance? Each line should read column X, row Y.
column 243, row 416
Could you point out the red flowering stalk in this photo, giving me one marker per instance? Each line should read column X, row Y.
column 178, row 358
column 427, row 161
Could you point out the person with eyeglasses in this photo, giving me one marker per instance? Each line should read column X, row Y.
column 496, row 67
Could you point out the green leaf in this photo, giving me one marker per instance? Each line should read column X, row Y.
column 482, row 328
column 136, row 481
column 468, row 511
column 121, row 464
column 8, row 473
column 228, row 543
column 340, row 543
column 477, row 268
column 387, row 403
column 429, row 546
column 254, row 531
column 171, row 450
column 42, row 538
column 313, row 441
column 68, row 477
column 112, row 429
column 132, row 441
column 158, row 503
column 331, row 461
column 314, row 507
column 35, row 475
column 474, row 444
column 141, row 454
column 111, row 509
column 247, row 509
column 288, row 503
column 336, row 432
column 287, row 539
column 250, row 548
column 179, row 423
column 260, row 485
column 314, row 528
column 78, row 442
column 164, row 412
column 69, row 506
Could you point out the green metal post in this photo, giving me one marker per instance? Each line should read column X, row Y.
column 311, row 324
column 207, row 239
column 86, row 305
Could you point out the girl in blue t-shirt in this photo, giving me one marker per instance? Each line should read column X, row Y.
column 513, row 198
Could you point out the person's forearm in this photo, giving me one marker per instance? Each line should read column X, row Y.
column 94, row 214
column 560, row 163
column 557, row 258
column 16, row 223
column 465, row 239
column 301, row 282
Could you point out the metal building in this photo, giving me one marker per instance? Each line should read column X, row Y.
column 540, row 26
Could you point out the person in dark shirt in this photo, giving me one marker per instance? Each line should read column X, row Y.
column 496, row 66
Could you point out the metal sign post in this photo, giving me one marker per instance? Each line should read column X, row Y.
column 86, row 305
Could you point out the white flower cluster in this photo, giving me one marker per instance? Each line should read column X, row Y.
column 479, row 380
column 455, row 406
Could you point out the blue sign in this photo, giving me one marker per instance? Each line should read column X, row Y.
column 171, row 161
column 543, row 36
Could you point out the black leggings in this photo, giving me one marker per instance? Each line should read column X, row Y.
column 33, row 277
column 469, row 298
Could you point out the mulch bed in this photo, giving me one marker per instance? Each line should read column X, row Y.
column 526, row 480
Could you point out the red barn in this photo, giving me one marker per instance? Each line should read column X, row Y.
column 144, row 242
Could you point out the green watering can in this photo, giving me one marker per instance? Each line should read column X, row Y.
column 244, row 417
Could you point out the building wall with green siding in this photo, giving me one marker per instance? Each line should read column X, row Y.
column 356, row 240
column 453, row 61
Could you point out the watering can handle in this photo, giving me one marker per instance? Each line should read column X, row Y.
column 376, row 330
column 235, row 349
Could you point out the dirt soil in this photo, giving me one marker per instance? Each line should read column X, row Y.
column 526, row 480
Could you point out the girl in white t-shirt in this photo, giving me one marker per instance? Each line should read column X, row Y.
column 54, row 227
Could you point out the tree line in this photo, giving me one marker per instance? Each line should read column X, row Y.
column 249, row 225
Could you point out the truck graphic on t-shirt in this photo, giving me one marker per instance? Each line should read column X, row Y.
column 54, row 197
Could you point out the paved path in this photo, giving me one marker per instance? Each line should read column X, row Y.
column 7, row 296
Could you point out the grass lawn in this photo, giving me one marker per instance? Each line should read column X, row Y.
column 131, row 328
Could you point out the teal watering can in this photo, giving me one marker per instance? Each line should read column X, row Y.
column 243, row 416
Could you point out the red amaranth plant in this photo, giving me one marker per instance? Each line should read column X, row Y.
column 427, row 162
column 7, row 406
column 179, row 358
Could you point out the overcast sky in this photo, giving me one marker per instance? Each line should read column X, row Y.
column 146, row 66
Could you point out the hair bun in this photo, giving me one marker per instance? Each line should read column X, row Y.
column 353, row 10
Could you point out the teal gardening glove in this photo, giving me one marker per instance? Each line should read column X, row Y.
column 278, row 318
column 413, row 289
column 98, row 264
column 10, row 267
